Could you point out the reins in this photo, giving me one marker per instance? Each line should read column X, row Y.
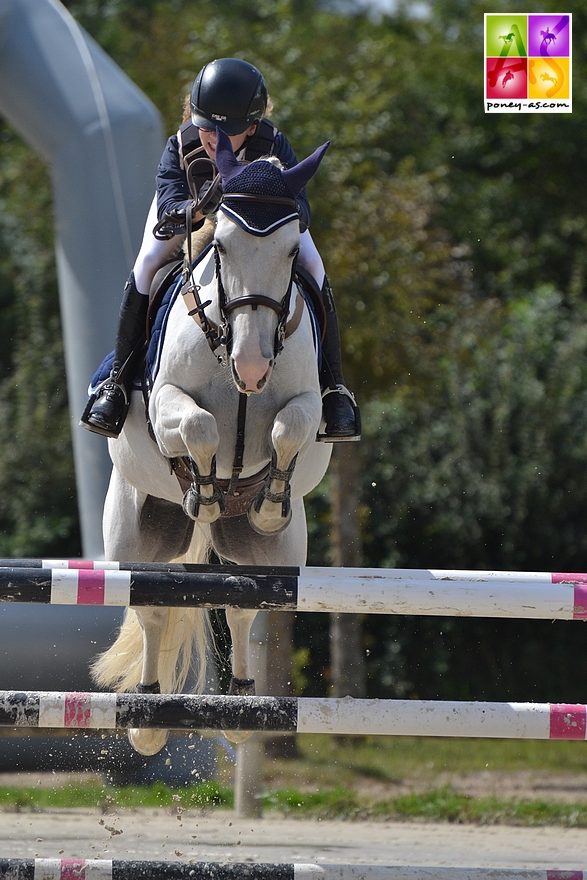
column 190, row 291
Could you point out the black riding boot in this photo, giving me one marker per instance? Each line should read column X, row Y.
column 107, row 408
column 341, row 413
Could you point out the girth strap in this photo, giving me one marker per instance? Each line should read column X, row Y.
column 239, row 446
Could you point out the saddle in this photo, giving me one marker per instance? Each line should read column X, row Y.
column 164, row 278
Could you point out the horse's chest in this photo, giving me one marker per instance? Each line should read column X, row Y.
column 219, row 397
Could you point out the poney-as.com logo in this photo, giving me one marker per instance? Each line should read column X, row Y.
column 528, row 63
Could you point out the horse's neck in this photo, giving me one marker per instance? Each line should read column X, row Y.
column 202, row 237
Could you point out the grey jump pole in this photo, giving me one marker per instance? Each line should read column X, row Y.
column 101, row 138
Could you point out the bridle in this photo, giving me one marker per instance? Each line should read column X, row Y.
column 218, row 335
column 281, row 307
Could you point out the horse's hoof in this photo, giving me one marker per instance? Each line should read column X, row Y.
column 265, row 525
column 209, row 515
column 147, row 742
column 144, row 740
column 240, row 687
column 194, row 508
column 237, row 736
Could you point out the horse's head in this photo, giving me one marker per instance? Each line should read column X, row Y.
column 257, row 241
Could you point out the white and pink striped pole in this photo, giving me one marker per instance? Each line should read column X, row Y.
column 118, row 869
column 431, row 592
column 341, row 716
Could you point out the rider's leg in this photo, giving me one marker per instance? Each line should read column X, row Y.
column 341, row 413
column 108, row 410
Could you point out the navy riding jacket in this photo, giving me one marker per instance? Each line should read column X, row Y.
column 172, row 186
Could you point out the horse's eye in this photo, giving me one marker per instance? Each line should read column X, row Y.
column 292, row 254
column 219, row 247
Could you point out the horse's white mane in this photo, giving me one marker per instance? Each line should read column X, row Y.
column 273, row 160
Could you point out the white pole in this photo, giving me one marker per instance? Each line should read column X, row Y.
column 541, row 595
column 399, row 872
column 441, row 718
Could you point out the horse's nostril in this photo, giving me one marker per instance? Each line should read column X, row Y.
column 239, row 382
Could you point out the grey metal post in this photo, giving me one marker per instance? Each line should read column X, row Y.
column 251, row 753
column 102, row 139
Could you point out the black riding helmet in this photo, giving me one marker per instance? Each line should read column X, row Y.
column 228, row 93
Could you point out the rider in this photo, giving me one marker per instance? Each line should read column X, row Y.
column 231, row 94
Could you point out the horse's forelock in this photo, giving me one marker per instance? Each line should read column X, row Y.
column 273, row 160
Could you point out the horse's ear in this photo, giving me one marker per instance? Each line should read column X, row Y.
column 226, row 161
column 297, row 177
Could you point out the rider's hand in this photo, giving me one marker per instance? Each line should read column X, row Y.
column 173, row 221
column 176, row 215
column 209, row 197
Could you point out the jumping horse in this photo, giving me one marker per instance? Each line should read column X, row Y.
column 229, row 448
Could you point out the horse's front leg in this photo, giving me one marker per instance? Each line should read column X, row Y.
column 294, row 426
column 184, row 429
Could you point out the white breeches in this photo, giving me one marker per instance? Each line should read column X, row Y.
column 154, row 253
column 310, row 259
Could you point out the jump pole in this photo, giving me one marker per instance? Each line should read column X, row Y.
column 346, row 716
column 118, row 869
column 428, row 592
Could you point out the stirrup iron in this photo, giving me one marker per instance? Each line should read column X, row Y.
column 322, row 436
column 84, row 421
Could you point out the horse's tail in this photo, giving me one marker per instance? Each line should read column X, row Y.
column 186, row 636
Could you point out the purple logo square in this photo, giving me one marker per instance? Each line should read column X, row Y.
column 549, row 35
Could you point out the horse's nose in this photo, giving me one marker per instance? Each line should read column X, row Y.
column 251, row 374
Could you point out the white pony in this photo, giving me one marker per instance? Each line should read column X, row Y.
column 235, row 406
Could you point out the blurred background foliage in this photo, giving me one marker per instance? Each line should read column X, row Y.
column 456, row 245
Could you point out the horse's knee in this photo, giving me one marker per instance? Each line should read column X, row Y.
column 288, row 437
column 200, row 435
column 295, row 425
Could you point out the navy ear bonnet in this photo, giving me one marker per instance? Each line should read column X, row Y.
column 258, row 179
column 261, row 179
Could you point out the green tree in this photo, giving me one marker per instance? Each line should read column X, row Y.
column 38, row 513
